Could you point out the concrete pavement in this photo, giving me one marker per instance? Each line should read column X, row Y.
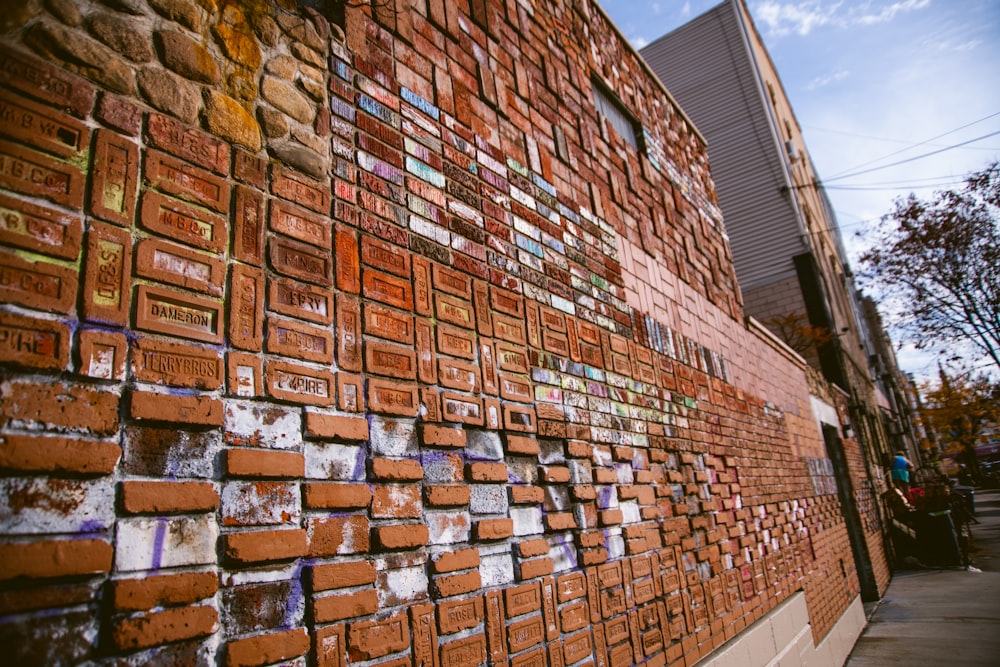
column 941, row 616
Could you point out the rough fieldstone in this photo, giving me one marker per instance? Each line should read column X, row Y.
column 282, row 66
column 16, row 13
column 66, row 11
column 187, row 57
column 308, row 138
column 184, row 12
column 82, row 55
column 169, row 93
column 285, row 98
column 122, row 35
column 238, row 45
column 241, row 85
column 305, row 54
column 267, row 30
column 298, row 156
column 315, row 90
column 128, row 6
column 301, row 30
column 227, row 120
column 272, row 122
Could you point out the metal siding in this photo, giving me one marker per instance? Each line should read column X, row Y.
column 706, row 67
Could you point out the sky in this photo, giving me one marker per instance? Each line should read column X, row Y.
column 872, row 82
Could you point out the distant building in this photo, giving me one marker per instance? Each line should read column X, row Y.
column 790, row 261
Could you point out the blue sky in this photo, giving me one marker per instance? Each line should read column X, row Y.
column 872, row 82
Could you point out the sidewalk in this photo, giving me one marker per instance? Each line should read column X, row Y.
column 942, row 617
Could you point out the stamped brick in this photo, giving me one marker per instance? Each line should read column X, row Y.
column 386, row 257
column 177, row 365
column 183, row 222
column 348, row 264
column 40, row 228
column 177, row 265
column 299, row 188
column 44, row 81
column 34, row 343
column 425, row 639
column 374, row 639
column 525, row 633
column 177, row 178
column 509, row 329
column 244, row 375
column 300, row 384
column 248, row 168
column 348, row 333
column 516, row 388
column 178, row 314
column 484, row 312
column 300, row 300
column 454, row 311
column 36, row 174
column 394, row 398
column 246, row 307
column 452, row 282
column 102, row 354
column 248, row 226
column 456, row 615
column 390, row 360
column 518, row 418
column 298, row 340
column 388, row 289
column 462, row 408
column 350, row 395
column 299, row 260
column 109, row 264
column 426, row 367
column 40, row 285
column 506, row 302
column 533, row 324
column 389, row 324
column 421, row 286
column 459, row 375
column 42, row 127
column 456, row 342
column 187, row 143
column 300, row 224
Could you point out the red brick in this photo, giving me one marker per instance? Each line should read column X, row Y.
column 40, row 228
column 331, row 646
column 342, row 575
column 164, row 590
column 467, row 652
column 447, row 496
column 119, row 113
column 162, row 497
column 40, row 285
column 519, row 444
column 183, row 222
column 560, row 521
column 170, row 175
column 178, row 314
column 44, row 81
column 299, row 260
column 75, row 407
column 536, row 567
column 38, row 175
column 494, row 529
column 54, row 558
column 246, row 307
column 457, row 584
column 486, row 472
column 34, row 343
column 191, row 410
column 404, row 536
column 267, row 649
column 300, row 341
column 264, row 463
column 265, row 545
column 349, row 333
column 325, row 495
column 553, row 474
column 300, row 384
column 462, row 408
column 335, row 427
column 166, row 626
column 187, row 143
column 387, row 289
column 300, row 300
column 332, row 608
column 373, row 639
column 454, row 311
column 385, row 257
column 397, row 470
column 456, row 615
column 34, row 453
column 248, row 225
column 108, row 272
column 442, row 436
column 391, row 360
column 394, row 398
column 459, row 375
column 526, row 494
column 421, row 286
column 244, row 376
column 300, row 224
column 177, row 365
column 348, row 267
column 338, row 535
column 177, row 265
column 529, row 548
column 297, row 187
column 453, row 561
column 456, row 342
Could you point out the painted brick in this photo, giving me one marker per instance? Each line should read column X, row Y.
column 338, row 535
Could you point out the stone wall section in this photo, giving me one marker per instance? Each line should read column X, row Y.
column 375, row 344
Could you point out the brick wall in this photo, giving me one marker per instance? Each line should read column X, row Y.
column 375, row 343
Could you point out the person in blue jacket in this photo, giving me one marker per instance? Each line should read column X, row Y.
column 901, row 472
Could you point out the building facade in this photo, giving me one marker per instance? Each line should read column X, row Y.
column 388, row 334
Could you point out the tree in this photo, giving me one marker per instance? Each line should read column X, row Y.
column 937, row 267
column 797, row 333
column 959, row 408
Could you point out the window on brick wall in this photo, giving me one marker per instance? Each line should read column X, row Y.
column 620, row 118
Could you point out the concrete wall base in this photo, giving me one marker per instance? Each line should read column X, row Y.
column 783, row 638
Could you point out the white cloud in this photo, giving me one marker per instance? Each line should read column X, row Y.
column 827, row 79
column 638, row 42
column 801, row 18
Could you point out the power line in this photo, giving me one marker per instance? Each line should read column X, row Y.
column 912, row 159
column 921, row 143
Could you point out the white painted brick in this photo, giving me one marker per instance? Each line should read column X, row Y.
column 488, row 499
column 334, row 461
column 260, row 503
column 496, row 570
column 630, row 512
column 402, row 586
column 31, row 505
column 527, row 520
column 149, row 544
column 274, row 427
column 448, row 527
column 484, row 445
column 393, row 437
